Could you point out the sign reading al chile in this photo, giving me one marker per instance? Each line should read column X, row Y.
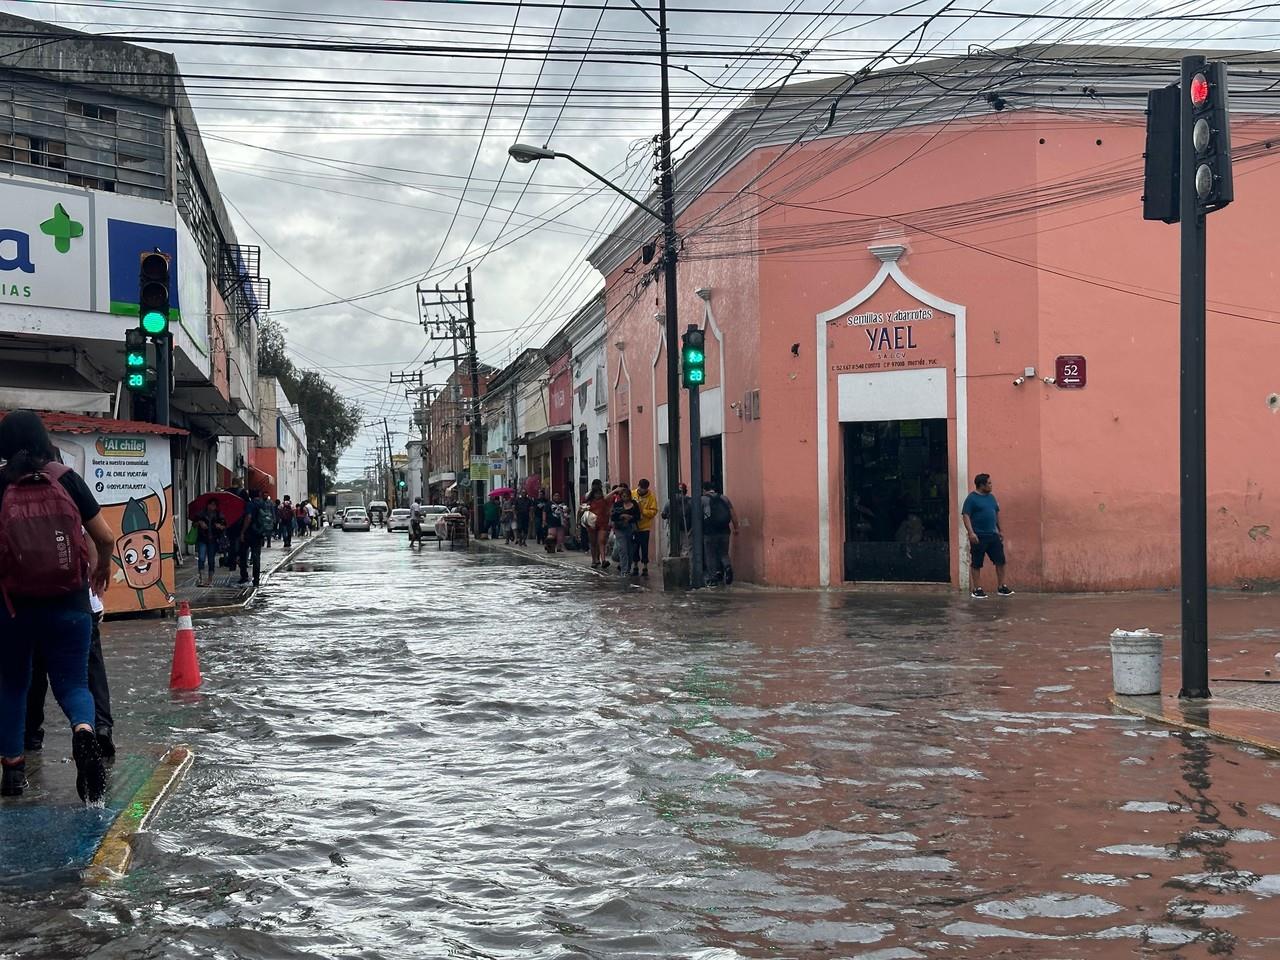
column 67, row 248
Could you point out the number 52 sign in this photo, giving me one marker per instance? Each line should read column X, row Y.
column 1069, row 372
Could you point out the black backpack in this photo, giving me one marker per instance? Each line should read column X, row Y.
column 719, row 517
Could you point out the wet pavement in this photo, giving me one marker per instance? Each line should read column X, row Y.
column 448, row 754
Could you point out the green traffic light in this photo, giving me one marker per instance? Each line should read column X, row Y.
column 696, row 376
column 155, row 322
column 694, row 356
column 136, row 381
column 135, row 359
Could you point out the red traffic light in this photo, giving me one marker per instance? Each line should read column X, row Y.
column 1199, row 90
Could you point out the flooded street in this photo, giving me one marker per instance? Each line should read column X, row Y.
column 450, row 755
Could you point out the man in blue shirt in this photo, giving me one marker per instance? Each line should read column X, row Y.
column 981, row 515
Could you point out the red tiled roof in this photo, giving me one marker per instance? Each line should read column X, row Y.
column 58, row 422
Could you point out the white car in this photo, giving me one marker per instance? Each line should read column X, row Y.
column 399, row 520
column 355, row 519
column 431, row 514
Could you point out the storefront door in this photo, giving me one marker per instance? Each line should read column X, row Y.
column 896, row 507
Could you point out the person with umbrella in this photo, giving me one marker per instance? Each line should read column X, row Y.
column 211, row 527
column 229, row 510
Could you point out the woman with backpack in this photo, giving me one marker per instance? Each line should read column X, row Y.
column 43, row 508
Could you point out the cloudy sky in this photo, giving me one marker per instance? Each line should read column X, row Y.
column 371, row 170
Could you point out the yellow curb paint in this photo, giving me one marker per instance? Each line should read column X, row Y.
column 115, row 854
column 1130, row 706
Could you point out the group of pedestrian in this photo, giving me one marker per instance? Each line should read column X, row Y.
column 51, row 607
column 516, row 518
column 240, row 543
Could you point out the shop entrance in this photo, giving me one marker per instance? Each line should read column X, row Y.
column 896, row 501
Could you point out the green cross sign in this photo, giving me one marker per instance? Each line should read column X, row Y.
column 62, row 228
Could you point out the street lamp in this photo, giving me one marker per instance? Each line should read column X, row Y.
column 526, row 153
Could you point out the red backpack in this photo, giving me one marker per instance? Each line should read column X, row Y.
column 43, row 552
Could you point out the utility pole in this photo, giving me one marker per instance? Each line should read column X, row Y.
column 391, row 467
column 462, row 333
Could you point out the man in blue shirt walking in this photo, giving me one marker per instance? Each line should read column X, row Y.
column 981, row 515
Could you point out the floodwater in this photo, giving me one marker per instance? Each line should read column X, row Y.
column 433, row 755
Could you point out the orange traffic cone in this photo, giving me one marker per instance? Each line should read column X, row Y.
column 186, row 665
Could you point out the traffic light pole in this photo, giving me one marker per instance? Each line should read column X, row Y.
column 473, row 364
column 697, row 569
column 670, row 255
column 164, row 377
column 1194, row 479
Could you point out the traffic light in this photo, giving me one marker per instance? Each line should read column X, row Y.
column 1210, row 137
column 1160, row 161
column 139, row 363
column 153, row 294
column 401, row 484
column 693, row 357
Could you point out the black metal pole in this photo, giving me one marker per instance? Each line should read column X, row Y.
column 670, row 254
column 697, row 569
column 1195, row 548
column 164, row 377
column 473, row 363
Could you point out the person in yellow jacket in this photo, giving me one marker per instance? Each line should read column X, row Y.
column 648, row 510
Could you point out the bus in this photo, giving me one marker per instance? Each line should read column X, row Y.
column 336, row 501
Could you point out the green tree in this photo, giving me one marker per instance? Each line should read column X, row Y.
column 332, row 421
column 273, row 353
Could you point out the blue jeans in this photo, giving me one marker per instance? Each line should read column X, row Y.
column 206, row 554
column 62, row 637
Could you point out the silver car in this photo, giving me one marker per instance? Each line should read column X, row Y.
column 355, row 518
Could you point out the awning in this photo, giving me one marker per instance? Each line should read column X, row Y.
column 80, row 401
column 260, row 480
column 60, row 422
column 559, row 430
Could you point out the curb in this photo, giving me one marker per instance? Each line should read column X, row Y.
column 242, row 605
column 115, row 853
column 550, row 560
column 1193, row 719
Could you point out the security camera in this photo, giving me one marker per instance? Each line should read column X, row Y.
column 1019, row 381
column 1050, row 381
column 1273, row 402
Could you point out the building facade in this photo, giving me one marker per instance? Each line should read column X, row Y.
column 93, row 173
column 948, row 287
column 279, row 461
column 590, row 396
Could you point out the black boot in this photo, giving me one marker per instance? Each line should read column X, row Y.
column 105, row 744
column 91, row 775
column 14, row 779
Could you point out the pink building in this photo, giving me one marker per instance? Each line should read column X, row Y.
column 940, row 271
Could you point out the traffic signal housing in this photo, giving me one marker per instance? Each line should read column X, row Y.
column 1160, row 161
column 1209, row 137
column 693, row 357
column 153, row 294
column 139, row 363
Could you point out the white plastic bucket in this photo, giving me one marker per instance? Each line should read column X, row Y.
column 1135, row 662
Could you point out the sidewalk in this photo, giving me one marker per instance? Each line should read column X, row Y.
column 579, row 560
column 227, row 595
column 1245, row 687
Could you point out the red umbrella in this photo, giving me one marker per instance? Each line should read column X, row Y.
column 231, row 506
column 502, row 492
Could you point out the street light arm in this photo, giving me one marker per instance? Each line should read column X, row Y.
column 612, row 186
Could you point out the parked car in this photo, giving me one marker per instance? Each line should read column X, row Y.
column 355, row 518
column 399, row 520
